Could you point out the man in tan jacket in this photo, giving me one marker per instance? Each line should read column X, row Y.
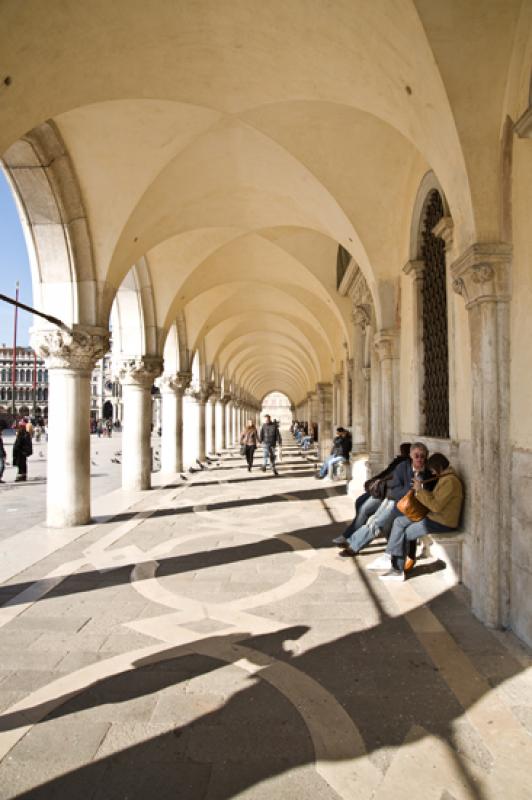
column 444, row 506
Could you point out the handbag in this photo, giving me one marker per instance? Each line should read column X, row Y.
column 410, row 506
column 376, row 487
column 242, row 449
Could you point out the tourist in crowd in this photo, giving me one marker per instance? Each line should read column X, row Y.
column 380, row 523
column 3, row 456
column 269, row 438
column 341, row 447
column 367, row 503
column 444, row 504
column 249, row 439
column 22, row 449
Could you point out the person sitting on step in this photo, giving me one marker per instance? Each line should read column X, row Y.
column 367, row 503
column 341, row 447
column 444, row 502
column 380, row 524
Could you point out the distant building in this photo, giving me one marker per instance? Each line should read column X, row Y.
column 279, row 407
column 31, row 386
column 31, row 383
column 106, row 392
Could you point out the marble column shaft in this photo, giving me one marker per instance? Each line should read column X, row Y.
column 137, row 376
column 70, row 358
column 172, row 390
column 482, row 276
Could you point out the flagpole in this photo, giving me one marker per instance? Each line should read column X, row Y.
column 14, row 368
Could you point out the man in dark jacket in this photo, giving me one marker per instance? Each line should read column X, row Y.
column 269, row 437
column 341, row 447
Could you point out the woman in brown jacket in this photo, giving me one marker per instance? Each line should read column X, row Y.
column 248, row 439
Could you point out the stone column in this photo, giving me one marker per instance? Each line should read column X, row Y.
column 337, row 400
column 325, row 421
column 172, row 390
column 234, row 423
column 482, row 276
column 360, row 405
column 137, row 376
column 416, row 270
column 201, row 397
column 211, row 421
column 386, row 344
column 223, row 403
column 70, row 358
column 375, row 457
column 229, row 423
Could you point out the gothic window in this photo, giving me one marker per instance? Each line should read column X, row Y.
column 28, row 375
column 39, row 376
column 435, row 335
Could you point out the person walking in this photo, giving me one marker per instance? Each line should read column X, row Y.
column 269, row 438
column 3, row 456
column 249, row 439
column 22, row 449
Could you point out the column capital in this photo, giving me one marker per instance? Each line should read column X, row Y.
column 215, row 395
column 482, row 273
column 415, row 268
column 387, row 344
column 444, row 229
column 79, row 349
column 175, row 384
column 140, row 371
column 361, row 315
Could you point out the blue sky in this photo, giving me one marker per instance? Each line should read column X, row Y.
column 14, row 265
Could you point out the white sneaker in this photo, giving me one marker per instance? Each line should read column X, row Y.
column 382, row 562
column 393, row 575
column 340, row 540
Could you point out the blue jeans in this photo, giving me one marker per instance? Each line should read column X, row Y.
column 305, row 442
column 328, row 461
column 363, row 513
column 377, row 525
column 268, row 452
column 405, row 531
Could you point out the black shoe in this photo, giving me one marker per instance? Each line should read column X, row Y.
column 263, row 469
column 249, row 469
column 275, row 472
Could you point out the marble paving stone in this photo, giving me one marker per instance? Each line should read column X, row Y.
column 340, row 668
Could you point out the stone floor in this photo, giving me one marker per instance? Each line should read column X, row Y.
column 204, row 640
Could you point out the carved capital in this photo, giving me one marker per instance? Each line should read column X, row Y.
column 215, row 395
column 140, row 372
column 77, row 349
column 444, row 229
column 482, row 273
column 416, row 269
column 386, row 344
column 175, row 384
column 362, row 315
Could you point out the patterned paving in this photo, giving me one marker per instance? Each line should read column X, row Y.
column 209, row 643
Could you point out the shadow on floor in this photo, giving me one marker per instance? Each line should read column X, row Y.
column 381, row 677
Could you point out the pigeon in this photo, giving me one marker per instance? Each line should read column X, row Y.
column 94, row 464
column 115, row 461
column 200, row 465
column 184, row 477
